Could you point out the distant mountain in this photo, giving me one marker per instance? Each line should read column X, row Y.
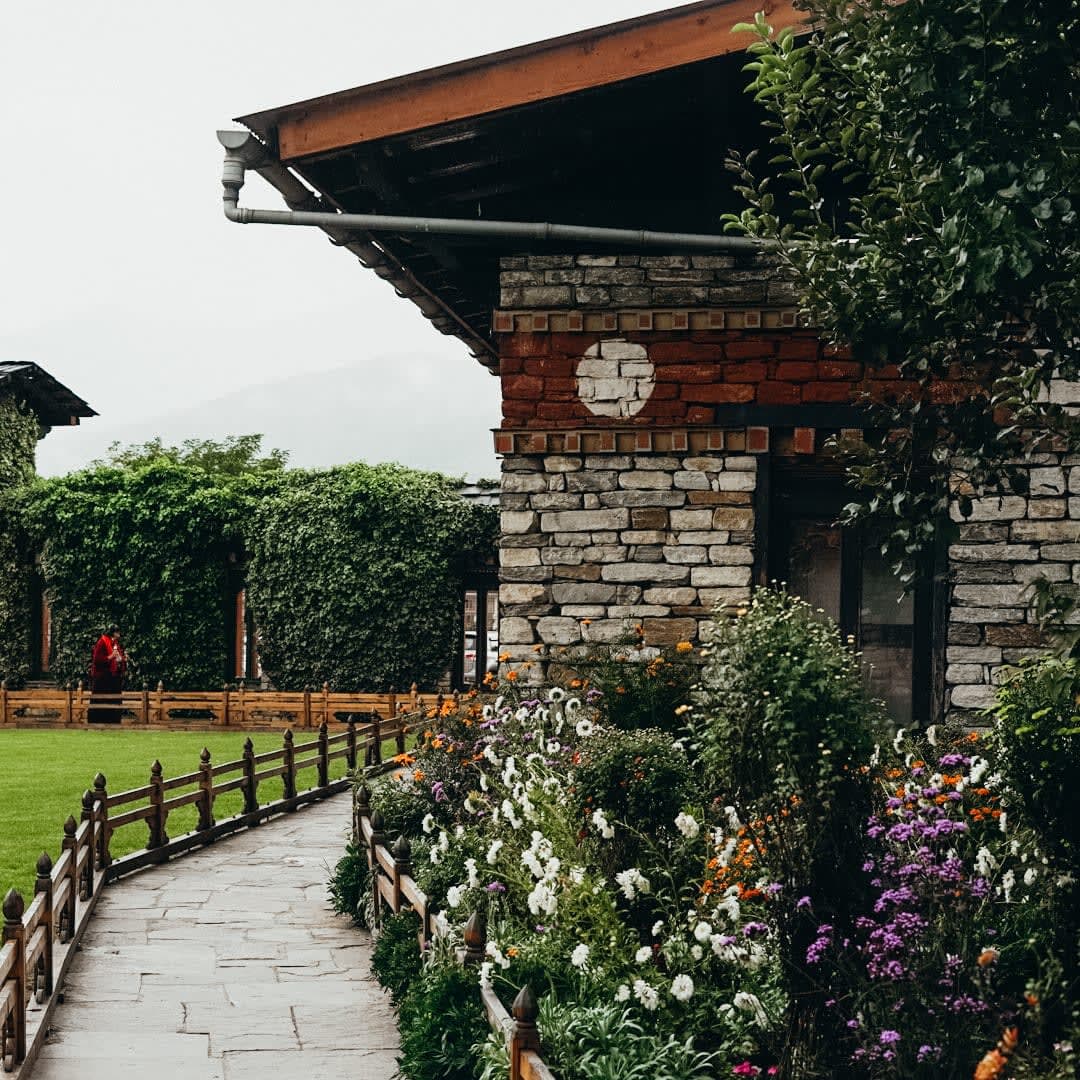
column 417, row 412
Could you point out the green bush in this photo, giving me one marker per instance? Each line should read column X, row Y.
column 350, row 885
column 441, row 1021
column 396, row 959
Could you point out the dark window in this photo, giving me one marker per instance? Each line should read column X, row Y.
column 480, row 632
column 840, row 570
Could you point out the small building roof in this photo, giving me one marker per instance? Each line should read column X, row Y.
column 626, row 125
column 52, row 402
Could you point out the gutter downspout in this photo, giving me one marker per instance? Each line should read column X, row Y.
column 244, row 151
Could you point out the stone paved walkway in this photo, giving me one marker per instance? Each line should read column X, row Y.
column 227, row 964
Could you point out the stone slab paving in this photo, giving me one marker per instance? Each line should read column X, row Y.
column 227, row 964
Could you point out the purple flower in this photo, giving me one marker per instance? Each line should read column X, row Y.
column 888, row 1038
column 752, row 929
column 802, row 902
column 496, row 887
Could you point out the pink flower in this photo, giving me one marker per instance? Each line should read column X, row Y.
column 746, row 1069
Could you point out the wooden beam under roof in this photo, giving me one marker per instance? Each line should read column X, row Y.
column 532, row 73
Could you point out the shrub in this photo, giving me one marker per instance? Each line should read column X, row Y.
column 396, row 959
column 441, row 1020
column 350, row 885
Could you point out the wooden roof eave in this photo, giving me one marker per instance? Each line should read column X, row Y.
column 498, row 81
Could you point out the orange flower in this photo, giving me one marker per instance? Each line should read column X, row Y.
column 586, row 622
column 684, row 646
column 511, row 952
column 404, row 759
column 503, row 657
column 987, row 957
column 991, row 1066
column 511, row 676
column 418, row 775
column 575, row 684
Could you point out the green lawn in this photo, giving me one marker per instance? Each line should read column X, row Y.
column 46, row 772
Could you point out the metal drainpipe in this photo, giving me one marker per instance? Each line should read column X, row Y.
column 243, row 151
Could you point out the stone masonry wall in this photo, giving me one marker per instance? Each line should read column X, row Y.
column 596, row 544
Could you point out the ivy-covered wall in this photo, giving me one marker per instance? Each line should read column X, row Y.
column 355, row 575
column 19, row 432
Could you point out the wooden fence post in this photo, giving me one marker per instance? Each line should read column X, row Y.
column 43, row 977
column 307, row 707
column 378, row 835
column 524, row 1035
column 402, row 852
column 14, row 906
column 3, row 702
column 326, row 702
column 400, row 731
column 206, row 789
column 350, row 742
column 251, row 798
column 70, row 844
column 361, row 810
column 475, row 934
column 391, row 704
column 103, row 856
column 80, row 704
column 225, row 705
column 374, row 746
column 288, row 777
column 240, row 693
column 324, row 756
column 159, row 703
column 158, row 813
column 144, row 717
column 69, row 704
column 87, row 889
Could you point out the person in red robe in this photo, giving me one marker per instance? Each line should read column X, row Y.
column 108, row 665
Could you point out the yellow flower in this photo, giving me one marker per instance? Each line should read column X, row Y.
column 684, row 646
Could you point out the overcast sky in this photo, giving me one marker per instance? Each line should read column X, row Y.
column 120, row 276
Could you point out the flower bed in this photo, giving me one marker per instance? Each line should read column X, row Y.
column 773, row 885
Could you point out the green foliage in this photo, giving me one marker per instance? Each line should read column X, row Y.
column 354, row 574
column 396, row 959
column 350, row 885
column 18, row 439
column 235, row 455
column 923, row 186
column 147, row 548
column 441, row 1020
column 641, row 687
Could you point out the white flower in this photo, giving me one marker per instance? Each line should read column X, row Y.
column 470, row 868
column 978, row 770
column 601, row 822
column 542, row 900
column 1002, row 820
column 490, row 755
column 572, row 704
column 510, row 814
column 985, row 863
column 657, row 927
column 697, row 952
column 584, row 728
column 702, row 932
column 555, row 694
column 646, row 994
column 580, row 955
column 532, row 864
column 632, row 882
column 1030, row 874
column 444, row 842
column 483, row 782
column 436, row 856
column 541, row 845
column 428, row 824
column 485, row 974
column 623, row 993
column 1008, row 883
column 751, row 1004
column 493, row 852
column 682, row 988
column 734, row 824
column 552, row 868
column 453, row 895
column 554, row 746
column 687, row 826
column 441, row 924
column 577, row 874
column 898, row 742
column 730, row 907
column 643, row 955
column 931, row 735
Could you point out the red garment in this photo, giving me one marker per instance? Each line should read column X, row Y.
column 108, row 660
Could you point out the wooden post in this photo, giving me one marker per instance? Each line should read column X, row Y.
column 4, row 717
column 206, row 789
column 524, row 1035
column 374, row 748
column 402, row 852
column 350, row 742
column 474, row 935
column 307, row 707
column 251, row 798
column 225, row 705
column 158, row 813
column 324, row 756
column 14, row 931
column 159, row 704
column 69, row 704
column 43, row 977
column 241, row 692
column 326, row 703
column 87, row 889
column 391, row 701
column 288, row 777
column 144, row 717
column 67, row 916
column 80, row 704
column 101, row 795
column 399, row 733
column 378, row 835
column 361, row 810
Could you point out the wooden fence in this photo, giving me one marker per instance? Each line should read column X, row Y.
column 232, row 706
column 393, row 887
column 39, row 941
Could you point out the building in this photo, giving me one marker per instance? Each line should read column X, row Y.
column 664, row 412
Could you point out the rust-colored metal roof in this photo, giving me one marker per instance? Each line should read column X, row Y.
column 514, row 77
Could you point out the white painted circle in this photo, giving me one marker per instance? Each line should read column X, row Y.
column 615, row 378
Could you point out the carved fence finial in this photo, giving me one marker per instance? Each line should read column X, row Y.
column 99, row 782
column 14, row 906
column 70, row 826
column 44, row 865
column 475, row 939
